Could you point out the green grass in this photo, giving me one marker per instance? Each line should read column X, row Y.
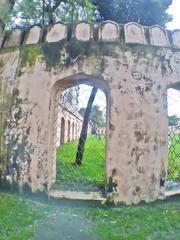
column 174, row 158
column 93, row 167
column 92, row 170
column 21, row 218
column 160, row 220
column 18, row 217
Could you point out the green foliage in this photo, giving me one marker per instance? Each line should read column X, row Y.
column 97, row 119
column 173, row 120
column 146, row 222
column 29, row 12
column 30, row 54
column 145, row 12
column 174, row 158
column 92, row 169
column 75, row 10
column 18, row 217
column 5, row 15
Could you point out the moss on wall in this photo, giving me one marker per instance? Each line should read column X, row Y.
column 30, row 54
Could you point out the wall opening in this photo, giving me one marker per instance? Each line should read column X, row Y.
column 71, row 105
column 173, row 166
column 62, row 131
column 69, row 130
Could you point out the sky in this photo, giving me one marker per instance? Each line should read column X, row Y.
column 175, row 11
column 173, row 95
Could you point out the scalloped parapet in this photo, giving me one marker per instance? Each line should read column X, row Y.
column 57, row 32
column 83, row 31
column 176, row 38
column 158, row 36
column 13, row 39
column 134, row 33
column 33, row 35
column 109, row 32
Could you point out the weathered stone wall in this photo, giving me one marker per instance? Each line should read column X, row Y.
column 133, row 65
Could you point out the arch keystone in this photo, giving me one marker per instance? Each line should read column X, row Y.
column 134, row 33
column 33, row 36
column 83, row 31
column 176, row 38
column 109, row 31
column 158, row 36
column 57, row 32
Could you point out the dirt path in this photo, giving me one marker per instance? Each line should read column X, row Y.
column 66, row 223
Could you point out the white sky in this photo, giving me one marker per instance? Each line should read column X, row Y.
column 173, row 95
column 84, row 93
column 175, row 11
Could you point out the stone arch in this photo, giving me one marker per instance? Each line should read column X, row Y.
column 109, row 31
column 62, row 132
column 69, row 131
column 83, row 31
column 76, row 130
column 134, row 33
column 158, row 36
column 33, row 36
column 176, row 38
column 62, row 85
column 57, row 32
column 73, row 131
column 14, row 38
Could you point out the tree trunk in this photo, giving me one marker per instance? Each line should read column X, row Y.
column 83, row 136
column 43, row 13
column 51, row 21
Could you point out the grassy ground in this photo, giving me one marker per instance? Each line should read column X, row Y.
column 174, row 158
column 23, row 219
column 160, row 221
column 18, row 217
column 93, row 167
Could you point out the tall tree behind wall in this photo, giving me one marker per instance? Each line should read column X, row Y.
column 29, row 12
column 5, row 9
column 145, row 12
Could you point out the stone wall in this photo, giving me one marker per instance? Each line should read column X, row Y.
column 133, row 65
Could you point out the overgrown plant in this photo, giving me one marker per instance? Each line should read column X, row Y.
column 30, row 12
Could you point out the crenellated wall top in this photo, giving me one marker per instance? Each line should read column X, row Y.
column 107, row 32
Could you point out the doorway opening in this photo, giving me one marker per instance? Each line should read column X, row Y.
column 173, row 167
column 80, row 119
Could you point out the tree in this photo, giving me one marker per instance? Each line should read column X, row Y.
column 96, row 119
column 5, row 8
column 145, row 12
column 83, row 135
column 29, row 12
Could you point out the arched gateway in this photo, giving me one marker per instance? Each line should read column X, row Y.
column 132, row 64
